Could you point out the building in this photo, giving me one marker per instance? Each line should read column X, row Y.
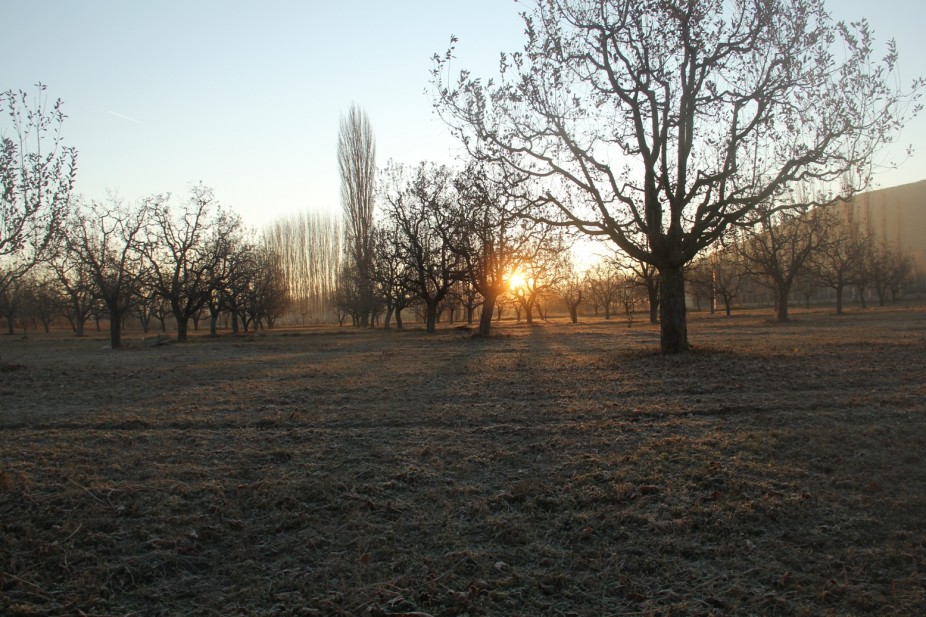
column 897, row 216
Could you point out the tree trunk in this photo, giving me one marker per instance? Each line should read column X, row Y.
column 213, row 324
column 485, row 319
column 652, row 292
column 398, row 318
column 78, row 324
column 838, row 289
column 182, row 322
column 387, row 320
column 431, row 310
column 783, row 291
column 115, row 328
column 672, row 310
column 528, row 312
column 574, row 313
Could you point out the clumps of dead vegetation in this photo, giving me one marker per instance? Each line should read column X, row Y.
column 544, row 472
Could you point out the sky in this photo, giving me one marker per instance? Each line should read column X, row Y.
column 246, row 97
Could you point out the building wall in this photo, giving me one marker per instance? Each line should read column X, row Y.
column 897, row 215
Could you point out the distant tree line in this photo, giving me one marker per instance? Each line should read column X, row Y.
column 152, row 262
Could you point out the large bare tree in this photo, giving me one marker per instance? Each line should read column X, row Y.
column 357, row 166
column 659, row 124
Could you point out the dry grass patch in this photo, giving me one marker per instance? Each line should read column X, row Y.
column 554, row 470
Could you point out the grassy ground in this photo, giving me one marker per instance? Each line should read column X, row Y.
column 549, row 470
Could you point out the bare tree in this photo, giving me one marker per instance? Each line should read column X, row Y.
column 604, row 282
column 545, row 264
column 184, row 249
column 266, row 293
column 145, row 303
column 37, row 173
column 658, row 125
column 571, row 290
column 699, row 283
column 13, row 297
column 107, row 240
column 390, row 272
column 719, row 275
column 644, row 276
column 628, row 294
column 43, row 301
column 839, row 260
column 357, row 166
column 780, row 247
column 418, row 202
column 470, row 300
column 493, row 241
column 888, row 268
column 76, row 287
column 885, row 267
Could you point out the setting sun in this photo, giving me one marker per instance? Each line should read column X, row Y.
column 516, row 280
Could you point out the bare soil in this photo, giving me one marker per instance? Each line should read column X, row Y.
column 558, row 469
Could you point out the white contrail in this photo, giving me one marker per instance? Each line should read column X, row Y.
column 124, row 117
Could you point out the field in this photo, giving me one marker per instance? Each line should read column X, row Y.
column 549, row 470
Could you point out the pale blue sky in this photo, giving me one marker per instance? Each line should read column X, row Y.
column 246, row 96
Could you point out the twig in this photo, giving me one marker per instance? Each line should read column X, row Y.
column 89, row 492
column 79, row 525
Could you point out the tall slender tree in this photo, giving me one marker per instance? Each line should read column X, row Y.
column 357, row 167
